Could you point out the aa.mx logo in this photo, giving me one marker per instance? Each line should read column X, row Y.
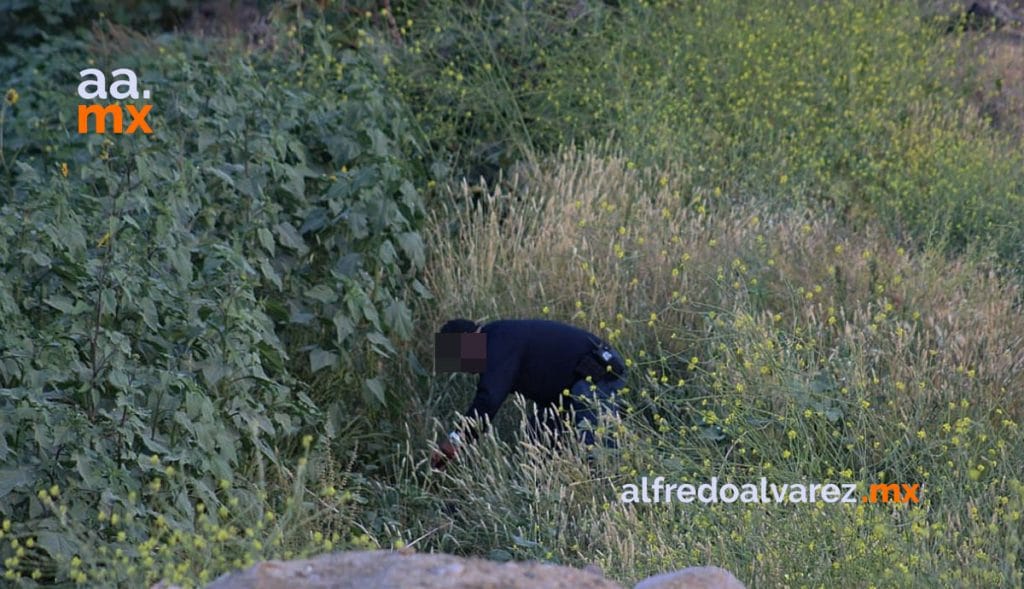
column 124, row 85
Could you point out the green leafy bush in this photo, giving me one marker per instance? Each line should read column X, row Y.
column 32, row 22
column 160, row 294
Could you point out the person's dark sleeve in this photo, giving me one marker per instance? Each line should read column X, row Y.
column 492, row 389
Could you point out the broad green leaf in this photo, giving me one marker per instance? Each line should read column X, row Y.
column 375, row 388
column 71, row 236
column 118, row 378
column 61, row 303
column 410, row 197
column 295, row 183
column 270, row 274
column 266, row 240
column 86, row 468
column 108, row 298
column 415, row 365
column 420, row 289
column 223, row 103
column 381, row 341
column 180, row 259
column 370, row 312
column 500, row 555
column 27, row 172
column 154, row 445
column 319, row 358
column 149, row 314
column 285, row 421
column 40, row 258
column 380, row 144
column 322, row 293
column 206, row 139
column 357, row 224
column 298, row 315
column 213, row 372
column 56, row 544
column 222, row 175
column 399, row 319
column 412, row 244
column 386, row 252
column 343, row 327
column 290, row 238
column 14, row 477
column 315, row 220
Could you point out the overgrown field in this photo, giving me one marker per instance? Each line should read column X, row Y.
column 800, row 222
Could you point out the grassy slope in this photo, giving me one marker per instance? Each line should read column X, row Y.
column 769, row 243
column 822, row 354
column 858, row 105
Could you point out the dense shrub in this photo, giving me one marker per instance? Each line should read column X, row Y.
column 27, row 23
column 160, row 294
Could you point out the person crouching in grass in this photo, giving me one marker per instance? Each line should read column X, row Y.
column 560, row 367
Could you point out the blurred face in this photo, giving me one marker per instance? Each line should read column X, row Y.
column 460, row 352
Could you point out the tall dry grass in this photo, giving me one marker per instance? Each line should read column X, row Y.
column 762, row 342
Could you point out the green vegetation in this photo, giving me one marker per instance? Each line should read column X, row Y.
column 852, row 104
column 790, row 217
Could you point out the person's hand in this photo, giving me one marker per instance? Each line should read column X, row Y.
column 444, row 453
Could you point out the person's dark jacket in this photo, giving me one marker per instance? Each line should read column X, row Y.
column 533, row 357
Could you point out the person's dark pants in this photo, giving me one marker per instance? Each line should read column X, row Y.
column 544, row 424
column 590, row 400
column 587, row 402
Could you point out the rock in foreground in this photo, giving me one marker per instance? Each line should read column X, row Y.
column 396, row 570
column 383, row 569
column 692, row 578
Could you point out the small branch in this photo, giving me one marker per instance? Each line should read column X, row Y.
column 396, row 36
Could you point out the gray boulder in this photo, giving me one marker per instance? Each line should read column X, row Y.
column 692, row 578
column 407, row 569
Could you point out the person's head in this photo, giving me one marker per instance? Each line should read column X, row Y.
column 459, row 326
column 460, row 347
